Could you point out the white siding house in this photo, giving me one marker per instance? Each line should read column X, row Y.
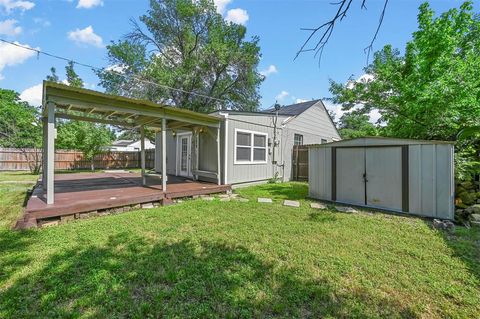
column 255, row 146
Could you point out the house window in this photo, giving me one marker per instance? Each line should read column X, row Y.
column 250, row 147
column 298, row 139
column 323, row 141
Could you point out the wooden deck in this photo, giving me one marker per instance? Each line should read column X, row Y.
column 85, row 192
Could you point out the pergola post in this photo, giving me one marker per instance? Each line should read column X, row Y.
column 142, row 153
column 44, row 152
column 50, row 152
column 219, row 170
column 164, row 155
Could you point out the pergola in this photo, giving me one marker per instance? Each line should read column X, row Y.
column 65, row 102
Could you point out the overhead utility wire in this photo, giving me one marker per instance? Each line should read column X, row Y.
column 111, row 71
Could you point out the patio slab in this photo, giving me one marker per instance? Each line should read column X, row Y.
column 291, row 203
column 264, row 200
column 346, row 209
column 318, row 206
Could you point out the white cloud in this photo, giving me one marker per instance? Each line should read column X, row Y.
column 364, row 78
column 33, row 95
column 9, row 27
column 272, row 69
column 9, row 5
column 87, row 4
column 281, row 96
column 116, row 68
column 337, row 110
column 238, row 16
column 43, row 22
column 12, row 55
column 374, row 116
column 86, row 36
column 300, row 100
column 221, row 5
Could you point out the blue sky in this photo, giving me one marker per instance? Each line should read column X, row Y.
column 80, row 29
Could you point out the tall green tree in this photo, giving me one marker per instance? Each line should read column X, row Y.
column 53, row 77
column 186, row 45
column 432, row 91
column 73, row 78
column 20, row 128
column 354, row 124
column 90, row 138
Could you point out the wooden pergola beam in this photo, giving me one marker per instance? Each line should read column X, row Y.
column 92, row 119
column 177, row 124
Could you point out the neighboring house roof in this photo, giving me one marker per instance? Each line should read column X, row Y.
column 122, row 142
column 294, row 109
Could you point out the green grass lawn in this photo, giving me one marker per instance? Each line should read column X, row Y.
column 237, row 259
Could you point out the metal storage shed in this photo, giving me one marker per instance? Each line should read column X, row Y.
column 401, row 175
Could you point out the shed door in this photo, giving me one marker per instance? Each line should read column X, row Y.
column 350, row 168
column 383, row 167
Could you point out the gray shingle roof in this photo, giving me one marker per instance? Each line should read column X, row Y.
column 122, row 142
column 294, row 109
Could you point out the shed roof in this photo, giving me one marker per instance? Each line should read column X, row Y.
column 379, row 141
column 94, row 106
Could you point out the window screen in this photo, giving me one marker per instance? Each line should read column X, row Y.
column 244, row 138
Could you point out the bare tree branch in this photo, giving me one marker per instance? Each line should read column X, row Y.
column 369, row 49
column 326, row 30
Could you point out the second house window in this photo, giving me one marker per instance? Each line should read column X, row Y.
column 250, row 147
column 298, row 139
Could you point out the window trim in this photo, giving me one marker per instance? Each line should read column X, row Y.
column 295, row 135
column 252, row 147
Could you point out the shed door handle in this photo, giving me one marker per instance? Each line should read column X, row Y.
column 365, row 177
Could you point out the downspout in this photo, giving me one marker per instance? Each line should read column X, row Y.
column 276, row 144
column 225, row 148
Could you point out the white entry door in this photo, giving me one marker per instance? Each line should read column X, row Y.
column 350, row 172
column 184, row 158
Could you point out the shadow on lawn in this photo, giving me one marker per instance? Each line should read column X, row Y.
column 322, row 216
column 131, row 277
column 465, row 244
column 11, row 243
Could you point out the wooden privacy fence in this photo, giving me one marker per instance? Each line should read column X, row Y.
column 300, row 163
column 13, row 159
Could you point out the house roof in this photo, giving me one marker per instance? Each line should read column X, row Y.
column 294, row 109
column 287, row 110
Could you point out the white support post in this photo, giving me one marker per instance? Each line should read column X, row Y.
column 44, row 152
column 219, row 164
column 225, row 149
column 142, row 154
column 50, row 153
column 164, row 155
